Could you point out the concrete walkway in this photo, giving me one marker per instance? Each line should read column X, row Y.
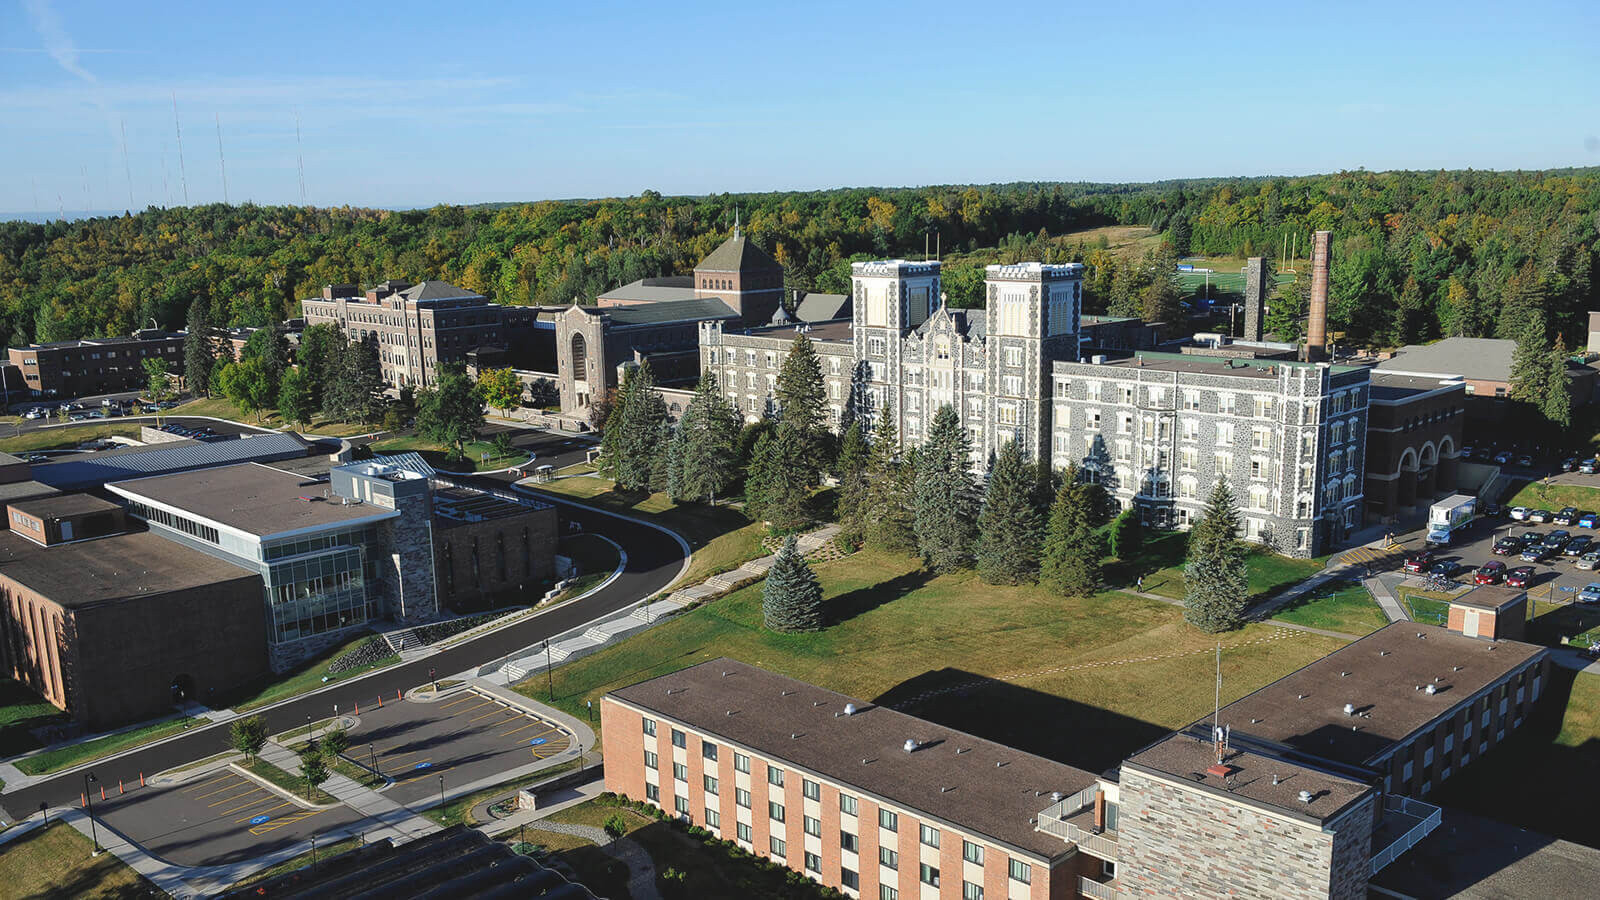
column 1386, row 600
column 389, row 819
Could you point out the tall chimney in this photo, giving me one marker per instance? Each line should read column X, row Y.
column 1317, row 328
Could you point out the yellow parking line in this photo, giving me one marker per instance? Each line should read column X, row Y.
column 286, row 820
column 268, row 798
column 232, row 784
column 223, row 777
column 262, row 812
column 534, row 724
column 232, row 797
column 493, row 712
column 469, row 696
column 476, row 706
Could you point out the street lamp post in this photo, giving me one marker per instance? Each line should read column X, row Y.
column 88, row 798
column 374, row 754
column 580, row 757
column 549, row 676
column 441, row 792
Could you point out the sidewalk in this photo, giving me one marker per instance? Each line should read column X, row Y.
column 392, row 819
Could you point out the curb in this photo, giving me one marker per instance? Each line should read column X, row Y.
column 292, row 798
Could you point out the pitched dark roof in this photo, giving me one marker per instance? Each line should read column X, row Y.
column 436, row 290
column 737, row 254
column 667, row 311
column 822, row 307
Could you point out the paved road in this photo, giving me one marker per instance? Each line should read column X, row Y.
column 654, row 560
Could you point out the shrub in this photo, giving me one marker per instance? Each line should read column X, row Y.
column 616, row 825
column 369, row 652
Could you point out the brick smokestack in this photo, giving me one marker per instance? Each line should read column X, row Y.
column 1317, row 328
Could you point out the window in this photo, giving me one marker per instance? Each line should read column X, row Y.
column 1013, row 356
column 711, row 785
column 652, row 793
column 888, row 858
column 1189, row 429
column 709, row 751
column 930, row 875
column 813, row 826
column 1263, row 407
column 1224, row 433
column 848, row 841
column 887, row 893
column 888, row 820
column 1225, row 404
column 1021, row 871
column 1261, row 438
column 1125, row 423
column 741, row 797
column 678, row 739
column 1259, row 468
column 847, row 804
column 741, row 763
column 813, row 863
column 970, row 891
column 774, row 776
column 713, row 818
column 650, row 759
column 1191, row 399
column 742, row 831
column 849, row 879
column 930, row 836
column 775, row 810
column 810, row 789
column 680, row 771
column 971, row 852
column 681, row 804
column 1186, row 459
column 1127, row 395
column 779, row 848
column 650, row 727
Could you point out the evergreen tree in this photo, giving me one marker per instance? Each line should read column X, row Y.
column 316, row 343
column 294, row 397
column 1126, row 534
column 270, row 347
column 774, row 487
column 946, row 503
column 199, row 349
column 1215, row 590
column 852, row 504
column 1072, row 547
column 1557, row 401
column 791, row 599
column 662, row 457
column 363, row 377
column 1008, row 526
column 802, row 406
column 1530, row 362
column 887, row 504
column 629, row 448
column 705, row 463
column 451, row 412
column 337, row 399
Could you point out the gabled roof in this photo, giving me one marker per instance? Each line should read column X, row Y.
column 822, row 307
column 737, row 254
column 436, row 290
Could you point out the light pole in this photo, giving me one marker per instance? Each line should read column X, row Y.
column 374, row 754
column 549, row 676
column 580, row 757
column 88, row 798
column 441, row 793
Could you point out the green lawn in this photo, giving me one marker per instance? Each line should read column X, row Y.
column 1535, row 495
column 721, row 537
column 89, row 751
column 1160, row 561
column 898, row 631
column 309, row 677
column 1426, row 607
column 437, row 454
column 459, row 810
column 1345, row 606
column 288, row 781
column 57, row 861
column 322, row 855
column 223, row 408
column 1577, row 622
column 347, row 768
column 67, row 437
column 21, row 711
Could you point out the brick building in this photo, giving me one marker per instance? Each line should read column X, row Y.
column 112, row 626
column 859, row 797
column 1484, row 365
column 93, row 365
column 1414, row 434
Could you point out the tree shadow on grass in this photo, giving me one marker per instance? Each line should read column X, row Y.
column 1059, row 728
column 850, row 604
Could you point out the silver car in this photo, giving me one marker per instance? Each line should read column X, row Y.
column 1588, row 560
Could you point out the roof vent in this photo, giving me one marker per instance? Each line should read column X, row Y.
column 1305, row 796
column 1275, row 779
column 849, row 709
column 1383, row 653
column 1349, row 709
column 1344, row 674
column 1430, row 689
column 1055, row 796
column 1300, row 696
column 911, row 744
column 1455, row 668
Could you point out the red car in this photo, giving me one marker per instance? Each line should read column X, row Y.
column 1520, row 577
column 1418, row 562
column 1490, row 573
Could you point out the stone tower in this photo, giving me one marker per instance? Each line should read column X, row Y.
column 1257, row 285
column 743, row 276
column 1033, row 315
column 891, row 297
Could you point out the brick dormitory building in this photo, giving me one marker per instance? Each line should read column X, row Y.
column 1309, row 787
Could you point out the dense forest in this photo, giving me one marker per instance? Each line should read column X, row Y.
column 1418, row 255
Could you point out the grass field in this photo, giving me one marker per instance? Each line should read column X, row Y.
column 438, row 456
column 88, row 751
column 897, row 631
column 459, row 810
column 57, row 861
column 720, row 537
column 1160, row 561
column 67, row 437
column 21, row 711
column 1346, row 607
column 223, row 408
column 1535, row 495
column 309, row 677
column 1426, row 607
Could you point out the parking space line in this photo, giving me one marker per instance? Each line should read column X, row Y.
column 261, row 812
column 493, row 712
column 223, row 777
column 253, row 801
column 469, row 696
column 232, row 784
column 473, row 707
column 535, row 724
column 286, row 820
column 232, row 797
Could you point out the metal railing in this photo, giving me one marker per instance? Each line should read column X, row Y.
column 1103, row 845
column 1100, row 890
column 1428, row 814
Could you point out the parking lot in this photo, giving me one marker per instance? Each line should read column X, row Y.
column 1556, row 578
column 464, row 738
column 219, row 818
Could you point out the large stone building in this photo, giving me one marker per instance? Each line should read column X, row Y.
column 1415, row 428
column 93, row 365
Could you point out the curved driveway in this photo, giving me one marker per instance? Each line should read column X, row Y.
column 655, row 558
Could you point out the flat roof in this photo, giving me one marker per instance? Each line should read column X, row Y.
column 1209, row 365
column 83, row 470
column 1255, row 777
column 833, row 330
column 1490, row 596
column 1470, row 856
column 975, row 785
column 252, row 498
column 120, row 566
column 63, row 505
column 1394, row 386
column 22, row 490
column 1382, row 675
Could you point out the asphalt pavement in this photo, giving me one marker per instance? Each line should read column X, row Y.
column 654, row 559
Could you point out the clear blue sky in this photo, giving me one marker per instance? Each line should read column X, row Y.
column 410, row 104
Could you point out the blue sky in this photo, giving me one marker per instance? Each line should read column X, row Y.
column 410, row 104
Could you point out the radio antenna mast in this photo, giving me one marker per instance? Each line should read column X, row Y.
column 221, row 162
column 300, row 158
column 127, row 171
column 183, row 174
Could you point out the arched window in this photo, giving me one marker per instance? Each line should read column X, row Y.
column 580, row 357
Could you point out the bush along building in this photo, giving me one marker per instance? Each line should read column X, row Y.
column 1305, row 788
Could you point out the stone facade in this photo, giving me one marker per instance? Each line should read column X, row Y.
column 493, row 561
column 1414, row 435
column 1176, row 840
column 1257, row 288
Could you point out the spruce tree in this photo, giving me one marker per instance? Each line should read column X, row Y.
column 199, row 349
column 791, row 599
column 1530, row 362
column 1008, row 526
column 850, row 511
column 634, row 431
column 774, row 488
column 887, row 504
column 1215, row 591
column 1072, row 547
column 802, row 405
column 1556, row 404
column 946, row 502
column 336, row 391
column 1126, row 534
column 705, row 464
column 363, row 374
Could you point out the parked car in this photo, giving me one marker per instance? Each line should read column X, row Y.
column 1587, row 467
column 1444, row 567
column 1519, row 513
column 1488, row 508
column 1531, row 537
column 1535, row 552
column 1557, row 539
column 1521, row 576
column 1418, row 562
column 1588, row 520
column 1492, row 572
column 1483, row 455
column 1503, row 457
column 1590, row 593
column 1525, row 461
column 1578, row 546
column 1507, row 546
column 1588, row 560
column 1567, row 516
column 1539, row 515
column 1568, row 464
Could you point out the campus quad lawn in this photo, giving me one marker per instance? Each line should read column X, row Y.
column 67, row 437
column 1345, row 606
column 1160, row 561
column 309, row 677
column 900, row 631
column 1550, row 761
column 57, row 861
column 223, row 408
column 1535, row 495
column 720, row 536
